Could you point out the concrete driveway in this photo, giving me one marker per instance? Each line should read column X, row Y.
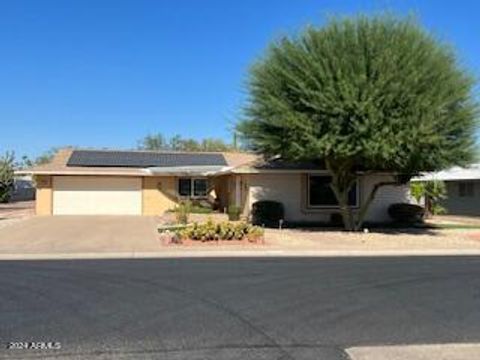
column 80, row 234
column 13, row 212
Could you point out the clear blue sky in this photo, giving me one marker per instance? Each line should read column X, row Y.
column 98, row 73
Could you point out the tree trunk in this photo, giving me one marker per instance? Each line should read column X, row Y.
column 428, row 207
column 342, row 181
column 345, row 209
column 343, row 178
column 365, row 206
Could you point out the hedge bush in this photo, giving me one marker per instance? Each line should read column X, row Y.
column 406, row 213
column 267, row 213
column 226, row 230
column 336, row 219
column 234, row 213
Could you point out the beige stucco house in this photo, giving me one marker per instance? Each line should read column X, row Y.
column 105, row 182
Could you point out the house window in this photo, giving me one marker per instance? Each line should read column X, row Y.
column 466, row 189
column 199, row 187
column 185, row 187
column 320, row 194
column 192, row 187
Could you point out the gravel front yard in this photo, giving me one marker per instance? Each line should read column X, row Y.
column 374, row 240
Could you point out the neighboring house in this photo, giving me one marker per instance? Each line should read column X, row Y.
column 463, row 189
column 90, row 182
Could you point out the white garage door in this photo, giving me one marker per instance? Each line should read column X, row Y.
column 97, row 195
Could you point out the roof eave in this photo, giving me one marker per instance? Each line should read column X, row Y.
column 80, row 172
column 188, row 170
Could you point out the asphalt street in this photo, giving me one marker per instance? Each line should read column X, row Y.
column 256, row 308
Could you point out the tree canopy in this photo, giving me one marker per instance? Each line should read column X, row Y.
column 46, row 156
column 370, row 93
column 177, row 143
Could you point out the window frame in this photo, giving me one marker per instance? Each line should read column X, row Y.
column 308, row 204
column 192, row 187
column 464, row 188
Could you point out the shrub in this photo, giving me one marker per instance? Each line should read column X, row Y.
column 211, row 231
column 417, row 190
column 234, row 213
column 6, row 177
column 433, row 192
column 182, row 212
column 195, row 209
column 406, row 213
column 336, row 219
column 267, row 212
column 437, row 209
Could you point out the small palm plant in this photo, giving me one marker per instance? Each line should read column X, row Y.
column 182, row 212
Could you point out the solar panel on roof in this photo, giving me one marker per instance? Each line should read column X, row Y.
column 139, row 159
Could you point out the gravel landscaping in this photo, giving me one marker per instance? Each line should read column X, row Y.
column 453, row 233
column 388, row 239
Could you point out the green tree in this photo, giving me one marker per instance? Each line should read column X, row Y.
column 47, row 156
column 432, row 192
column 212, row 144
column 189, row 145
column 177, row 143
column 6, row 176
column 362, row 94
column 24, row 162
column 153, row 142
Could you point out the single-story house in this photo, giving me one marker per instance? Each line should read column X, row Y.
column 91, row 182
column 463, row 189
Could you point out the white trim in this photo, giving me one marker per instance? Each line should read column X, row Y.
column 192, row 187
column 274, row 171
column 187, row 171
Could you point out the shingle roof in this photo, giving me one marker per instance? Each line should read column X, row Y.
column 143, row 159
column 277, row 164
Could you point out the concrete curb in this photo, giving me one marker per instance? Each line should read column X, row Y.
column 241, row 254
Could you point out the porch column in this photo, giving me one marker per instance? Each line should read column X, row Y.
column 238, row 191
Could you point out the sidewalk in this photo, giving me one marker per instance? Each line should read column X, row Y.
column 410, row 240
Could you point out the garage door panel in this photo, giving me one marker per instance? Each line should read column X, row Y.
column 95, row 195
